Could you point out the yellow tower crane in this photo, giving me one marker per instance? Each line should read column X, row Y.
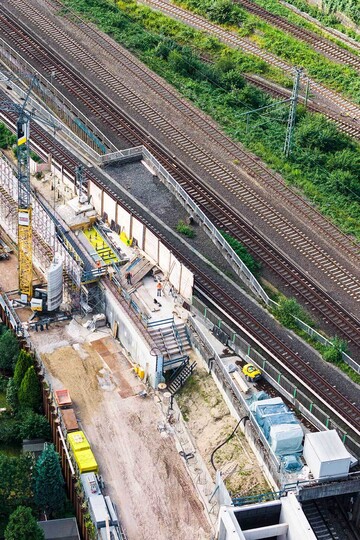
column 24, row 200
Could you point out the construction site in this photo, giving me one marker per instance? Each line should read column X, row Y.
column 168, row 434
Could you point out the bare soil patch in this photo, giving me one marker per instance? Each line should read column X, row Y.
column 210, row 423
column 142, row 469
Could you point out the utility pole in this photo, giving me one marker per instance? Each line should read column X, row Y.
column 292, row 112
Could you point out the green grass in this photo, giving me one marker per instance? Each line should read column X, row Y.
column 324, row 163
column 339, row 77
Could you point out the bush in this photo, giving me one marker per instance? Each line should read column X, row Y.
column 288, row 309
column 23, row 526
column 333, row 353
column 253, row 265
column 184, row 229
column 9, row 430
column 33, row 425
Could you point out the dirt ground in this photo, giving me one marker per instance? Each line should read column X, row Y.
column 142, row 470
column 210, row 423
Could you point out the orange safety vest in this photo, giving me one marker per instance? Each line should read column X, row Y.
column 159, row 286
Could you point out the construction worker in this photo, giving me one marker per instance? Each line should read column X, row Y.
column 158, row 289
column 128, row 278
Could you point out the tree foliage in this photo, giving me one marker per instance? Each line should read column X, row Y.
column 23, row 362
column 6, row 137
column 49, row 483
column 253, row 265
column 16, row 477
column 12, row 395
column 9, row 350
column 30, row 390
column 288, row 309
column 23, row 526
column 33, row 425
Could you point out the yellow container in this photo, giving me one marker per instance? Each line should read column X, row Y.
column 141, row 373
column 77, row 441
column 86, row 461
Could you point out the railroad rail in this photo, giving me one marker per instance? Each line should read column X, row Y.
column 221, row 214
column 340, row 36
column 322, row 393
column 319, row 43
column 277, row 91
column 234, row 40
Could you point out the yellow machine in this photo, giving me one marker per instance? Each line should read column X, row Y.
column 24, row 204
column 24, row 200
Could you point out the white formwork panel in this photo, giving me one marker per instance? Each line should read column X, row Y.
column 138, row 232
column 151, row 245
column 96, row 194
column 109, row 207
column 164, row 258
column 123, row 220
column 175, row 273
column 186, row 283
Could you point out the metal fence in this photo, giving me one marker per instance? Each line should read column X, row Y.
column 278, row 379
column 232, row 258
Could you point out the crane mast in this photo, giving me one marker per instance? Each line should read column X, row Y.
column 24, row 207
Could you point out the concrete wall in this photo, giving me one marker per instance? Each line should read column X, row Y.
column 293, row 515
column 179, row 276
column 228, row 527
column 129, row 336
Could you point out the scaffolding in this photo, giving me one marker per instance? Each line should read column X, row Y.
column 45, row 239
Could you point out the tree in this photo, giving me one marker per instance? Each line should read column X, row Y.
column 9, row 350
column 12, row 395
column 30, row 391
column 49, row 494
column 33, row 425
column 23, row 526
column 16, row 479
column 24, row 361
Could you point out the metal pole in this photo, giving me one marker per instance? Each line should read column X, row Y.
column 307, row 92
column 292, row 113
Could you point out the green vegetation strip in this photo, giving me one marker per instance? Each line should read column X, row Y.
column 28, row 488
column 339, row 77
column 324, row 164
column 326, row 18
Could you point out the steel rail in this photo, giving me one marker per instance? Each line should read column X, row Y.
column 321, row 391
column 222, row 214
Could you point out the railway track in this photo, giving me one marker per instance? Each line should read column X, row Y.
column 322, row 392
column 221, row 214
column 319, row 43
column 235, row 41
column 342, row 123
column 347, row 40
column 328, row 519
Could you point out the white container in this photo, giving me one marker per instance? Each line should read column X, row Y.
column 326, row 455
column 55, row 284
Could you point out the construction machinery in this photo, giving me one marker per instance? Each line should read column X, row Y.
column 24, row 200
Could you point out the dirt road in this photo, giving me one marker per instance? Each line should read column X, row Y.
column 143, row 472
